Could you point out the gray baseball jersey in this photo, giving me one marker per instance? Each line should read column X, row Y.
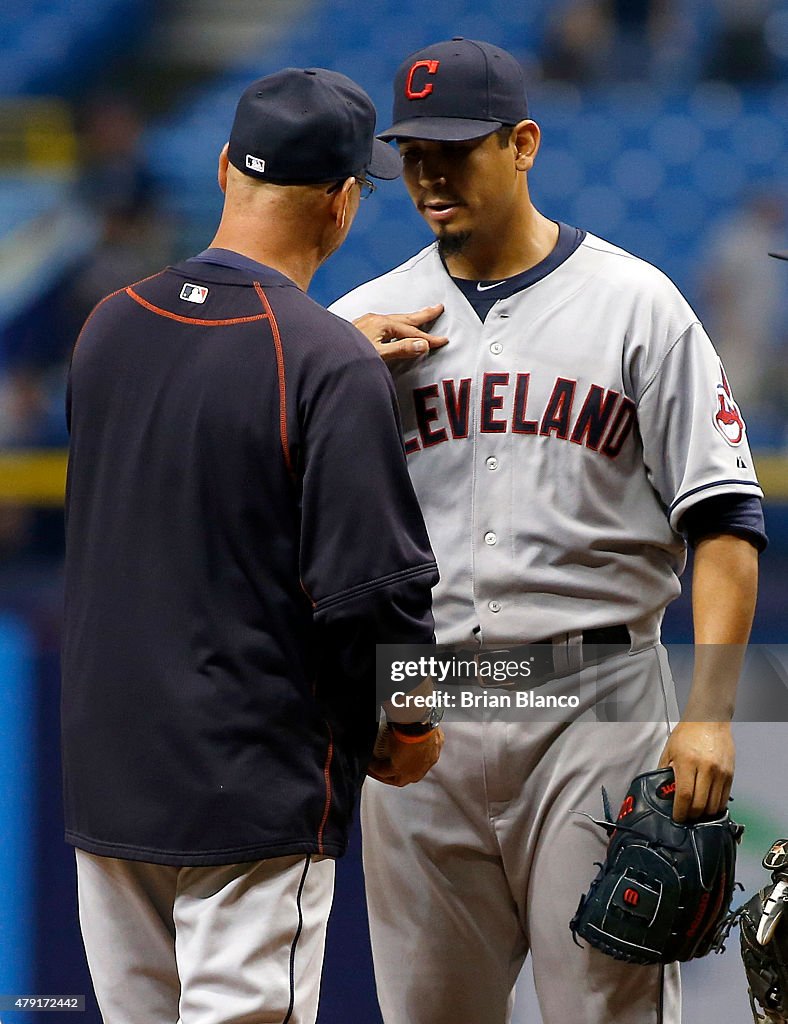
column 555, row 447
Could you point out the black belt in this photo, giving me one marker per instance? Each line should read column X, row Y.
column 597, row 645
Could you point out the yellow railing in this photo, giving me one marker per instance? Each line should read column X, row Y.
column 773, row 475
column 36, row 134
column 38, row 477
column 34, row 477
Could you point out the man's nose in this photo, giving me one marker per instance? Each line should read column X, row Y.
column 431, row 172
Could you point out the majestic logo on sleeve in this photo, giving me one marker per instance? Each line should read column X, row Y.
column 727, row 418
column 411, row 90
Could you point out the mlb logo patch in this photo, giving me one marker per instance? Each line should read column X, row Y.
column 254, row 163
column 194, row 293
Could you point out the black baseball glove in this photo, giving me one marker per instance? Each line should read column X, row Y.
column 665, row 889
column 763, row 931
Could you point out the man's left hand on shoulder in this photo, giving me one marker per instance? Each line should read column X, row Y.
column 702, row 755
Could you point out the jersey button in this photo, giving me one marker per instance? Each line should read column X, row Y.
column 492, row 462
column 496, row 348
column 494, row 606
column 490, row 538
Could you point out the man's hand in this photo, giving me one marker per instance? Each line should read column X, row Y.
column 398, row 764
column 397, row 335
column 702, row 756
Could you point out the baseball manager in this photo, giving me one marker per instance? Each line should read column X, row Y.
column 241, row 530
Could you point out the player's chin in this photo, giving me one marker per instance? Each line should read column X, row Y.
column 452, row 241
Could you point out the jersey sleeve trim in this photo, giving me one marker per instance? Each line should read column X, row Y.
column 738, row 514
column 721, row 486
column 372, row 585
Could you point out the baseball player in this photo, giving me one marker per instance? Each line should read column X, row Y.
column 570, row 440
column 223, row 596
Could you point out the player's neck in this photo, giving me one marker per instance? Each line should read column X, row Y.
column 298, row 266
column 273, row 235
column 489, row 256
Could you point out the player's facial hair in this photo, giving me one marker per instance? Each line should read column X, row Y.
column 453, row 244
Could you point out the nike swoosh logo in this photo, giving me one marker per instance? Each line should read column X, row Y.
column 486, row 287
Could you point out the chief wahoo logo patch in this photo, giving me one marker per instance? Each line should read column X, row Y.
column 727, row 417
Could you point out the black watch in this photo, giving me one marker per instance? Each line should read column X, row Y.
column 419, row 728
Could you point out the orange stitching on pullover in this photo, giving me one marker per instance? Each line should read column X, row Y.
column 280, row 365
column 327, row 777
column 191, row 320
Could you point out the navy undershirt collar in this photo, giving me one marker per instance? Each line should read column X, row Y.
column 483, row 295
column 235, row 260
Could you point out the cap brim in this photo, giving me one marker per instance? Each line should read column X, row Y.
column 780, row 255
column 385, row 163
column 441, row 129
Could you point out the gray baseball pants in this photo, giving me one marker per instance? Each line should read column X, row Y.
column 233, row 944
column 483, row 862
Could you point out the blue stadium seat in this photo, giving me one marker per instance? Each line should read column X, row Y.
column 47, row 46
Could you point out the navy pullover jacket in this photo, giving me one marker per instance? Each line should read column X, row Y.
column 241, row 532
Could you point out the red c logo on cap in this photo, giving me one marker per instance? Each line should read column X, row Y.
column 432, row 67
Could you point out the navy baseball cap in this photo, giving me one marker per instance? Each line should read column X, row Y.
column 300, row 126
column 456, row 91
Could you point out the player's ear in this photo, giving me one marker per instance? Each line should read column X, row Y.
column 341, row 203
column 526, row 137
column 224, row 163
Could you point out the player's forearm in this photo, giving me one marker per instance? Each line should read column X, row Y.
column 724, row 588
